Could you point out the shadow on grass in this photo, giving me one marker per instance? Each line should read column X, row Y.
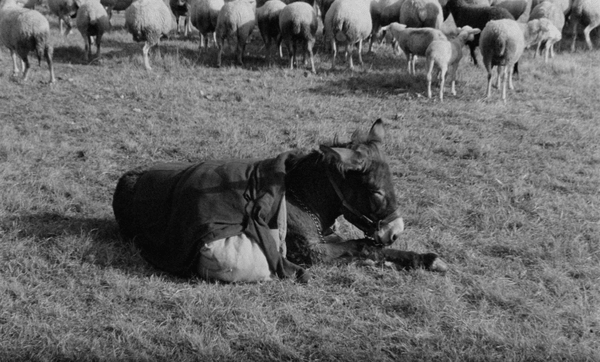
column 374, row 84
column 107, row 249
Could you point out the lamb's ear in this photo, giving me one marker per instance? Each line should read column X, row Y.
column 475, row 31
column 377, row 132
column 348, row 159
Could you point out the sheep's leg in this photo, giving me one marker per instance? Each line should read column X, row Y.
column 505, row 71
column 86, row 47
column 498, row 79
column 489, row 81
column 309, row 48
column 25, row 60
column 360, row 60
column 575, row 21
column 453, row 71
column 409, row 59
column 586, row 33
column 145, row 51
column 472, row 46
column 414, row 60
column 333, row 53
column 241, row 46
column 442, row 81
column 429, row 77
column 292, row 50
column 349, row 52
column 16, row 60
column 537, row 49
column 98, row 38
column 48, row 55
column 67, row 25
column 509, row 72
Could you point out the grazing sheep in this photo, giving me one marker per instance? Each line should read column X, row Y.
column 203, row 14
column 180, row 8
column 550, row 11
column 541, row 31
column 348, row 22
column 414, row 41
column 236, row 20
column 92, row 21
column 24, row 30
column 267, row 17
column 515, row 7
column 586, row 13
column 389, row 13
column 65, row 10
column 148, row 21
column 298, row 23
column 476, row 17
column 115, row 5
column 446, row 55
column 502, row 43
column 422, row 14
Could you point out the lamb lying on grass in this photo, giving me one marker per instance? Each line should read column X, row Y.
column 502, row 43
column 446, row 55
column 413, row 41
column 22, row 31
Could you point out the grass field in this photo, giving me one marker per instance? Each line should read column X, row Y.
column 507, row 194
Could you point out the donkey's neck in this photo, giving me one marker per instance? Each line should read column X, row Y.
column 308, row 182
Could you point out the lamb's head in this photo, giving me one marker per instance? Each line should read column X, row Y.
column 466, row 33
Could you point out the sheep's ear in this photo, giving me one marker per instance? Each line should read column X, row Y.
column 475, row 31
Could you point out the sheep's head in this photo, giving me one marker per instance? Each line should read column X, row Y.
column 467, row 33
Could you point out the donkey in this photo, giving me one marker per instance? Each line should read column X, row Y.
column 251, row 220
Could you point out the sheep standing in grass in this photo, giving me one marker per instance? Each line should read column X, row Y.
column 298, row 23
column 348, row 22
column 541, row 31
column 236, row 20
column 502, row 43
column 414, row 41
column 203, row 14
column 180, row 8
column 65, row 10
column 476, row 17
column 148, row 21
column 267, row 17
column 92, row 21
column 446, row 55
column 24, row 30
column 389, row 13
column 586, row 13
column 421, row 14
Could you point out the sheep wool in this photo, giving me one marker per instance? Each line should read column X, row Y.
column 586, row 13
column 22, row 31
column 204, row 15
column 298, row 23
column 548, row 10
column 414, row 41
column 540, row 31
column 267, row 17
column 502, row 43
column 446, row 55
column 116, row 5
column 236, row 20
column 421, row 13
column 148, row 21
column 92, row 21
column 348, row 22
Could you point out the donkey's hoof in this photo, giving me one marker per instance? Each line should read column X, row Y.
column 439, row 266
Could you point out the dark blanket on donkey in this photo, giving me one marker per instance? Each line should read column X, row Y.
column 178, row 207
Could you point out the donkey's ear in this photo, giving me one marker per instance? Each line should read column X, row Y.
column 348, row 159
column 377, row 131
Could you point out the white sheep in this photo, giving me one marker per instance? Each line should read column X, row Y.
column 389, row 13
column 24, row 30
column 148, row 21
column 414, row 41
column 92, row 21
column 298, row 23
column 502, row 43
column 538, row 32
column 236, row 20
column 267, row 17
column 348, row 22
column 549, row 10
column 204, row 15
column 421, row 14
column 180, row 8
column 586, row 13
column 65, row 10
column 563, row 5
column 446, row 55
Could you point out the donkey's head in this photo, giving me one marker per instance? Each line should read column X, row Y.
column 362, row 179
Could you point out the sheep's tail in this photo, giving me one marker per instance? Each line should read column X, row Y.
column 499, row 46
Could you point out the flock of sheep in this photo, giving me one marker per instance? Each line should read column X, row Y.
column 415, row 26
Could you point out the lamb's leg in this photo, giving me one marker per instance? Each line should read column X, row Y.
column 429, row 77
column 25, row 60
column 333, row 53
column 48, row 55
column 309, row 48
column 16, row 61
column 575, row 21
column 489, row 81
column 360, row 60
column 586, row 33
column 505, row 71
column 145, row 51
column 442, row 81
